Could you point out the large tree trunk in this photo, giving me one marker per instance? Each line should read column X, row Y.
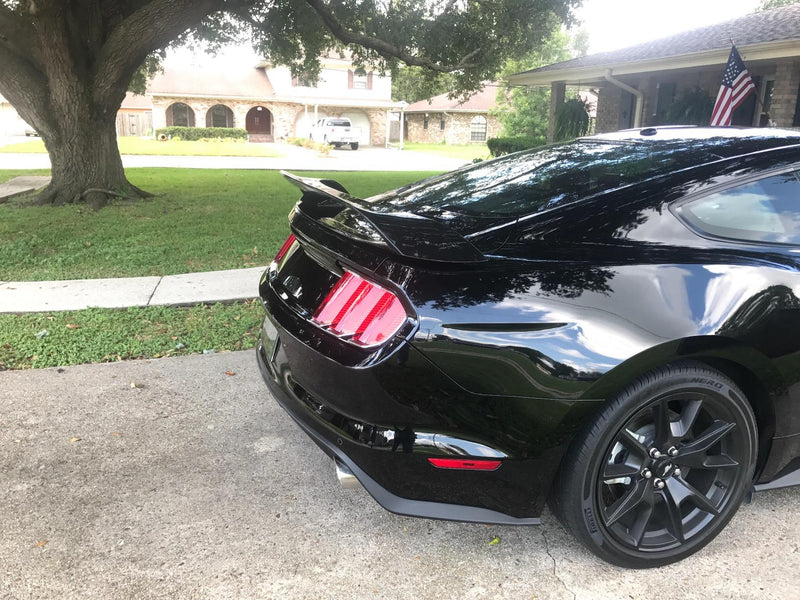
column 65, row 67
column 85, row 159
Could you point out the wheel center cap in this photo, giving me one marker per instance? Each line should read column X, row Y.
column 663, row 468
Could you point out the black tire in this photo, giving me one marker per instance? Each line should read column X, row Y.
column 354, row 145
column 636, row 509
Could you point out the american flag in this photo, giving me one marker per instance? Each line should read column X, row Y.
column 736, row 86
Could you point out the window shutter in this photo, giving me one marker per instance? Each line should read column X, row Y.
column 349, row 79
column 369, row 80
column 294, row 82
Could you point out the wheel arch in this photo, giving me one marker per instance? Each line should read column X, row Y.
column 752, row 371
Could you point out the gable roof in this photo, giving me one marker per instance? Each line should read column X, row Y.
column 241, row 82
column 768, row 34
column 136, row 102
column 480, row 101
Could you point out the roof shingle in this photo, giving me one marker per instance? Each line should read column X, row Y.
column 779, row 24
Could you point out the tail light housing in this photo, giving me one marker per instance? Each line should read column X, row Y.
column 360, row 311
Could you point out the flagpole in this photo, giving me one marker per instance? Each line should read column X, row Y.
column 759, row 103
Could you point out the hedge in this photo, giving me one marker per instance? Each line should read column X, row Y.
column 506, row 145
column 199, row 133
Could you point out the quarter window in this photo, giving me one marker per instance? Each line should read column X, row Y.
column 767, row 210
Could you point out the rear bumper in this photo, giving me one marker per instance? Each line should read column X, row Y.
column 338, row 447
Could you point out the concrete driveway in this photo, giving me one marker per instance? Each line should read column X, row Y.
column 172, row 479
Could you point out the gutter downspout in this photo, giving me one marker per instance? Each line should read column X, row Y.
column 448, row 132
column 637, row 117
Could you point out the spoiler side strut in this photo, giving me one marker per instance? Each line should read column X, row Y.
column 407, row 234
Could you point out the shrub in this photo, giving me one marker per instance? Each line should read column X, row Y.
column 572, row 120
column 199, row 133
column 506, row 145
column 691, row 107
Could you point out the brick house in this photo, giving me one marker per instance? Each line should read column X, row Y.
column 442, row 119
column 135, row 115
column 636, row 85
column 271, row 104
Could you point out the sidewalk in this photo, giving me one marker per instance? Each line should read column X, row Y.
column 170, row 290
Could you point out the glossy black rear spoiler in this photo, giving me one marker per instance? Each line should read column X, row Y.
column 407, row 234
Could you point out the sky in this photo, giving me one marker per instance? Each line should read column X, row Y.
column 611, row 24
column 614, row 24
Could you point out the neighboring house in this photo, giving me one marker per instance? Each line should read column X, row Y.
column 10, row 122
column 442, row 119
column 271, row 104
column 135, row 116
column 638, row 84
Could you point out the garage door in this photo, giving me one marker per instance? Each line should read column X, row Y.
column 359, row 119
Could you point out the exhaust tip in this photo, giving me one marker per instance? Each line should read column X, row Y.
column 345, row 476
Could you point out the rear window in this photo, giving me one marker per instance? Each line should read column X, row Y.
column 767, row 210
column 339, row 122
column 529, row 182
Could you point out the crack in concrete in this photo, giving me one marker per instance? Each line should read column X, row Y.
column 153, row 293
column 555, row 566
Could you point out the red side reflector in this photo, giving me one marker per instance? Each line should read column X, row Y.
column 460, row 463
column 355, row 307
column 285, row 248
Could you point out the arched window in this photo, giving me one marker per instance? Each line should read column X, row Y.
column 219, row 115
column 477, row 129
column 359, row 79
column 180, row 115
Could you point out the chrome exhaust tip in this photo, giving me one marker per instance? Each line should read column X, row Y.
column 345, row 476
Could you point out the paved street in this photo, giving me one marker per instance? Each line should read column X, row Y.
column 170, row 479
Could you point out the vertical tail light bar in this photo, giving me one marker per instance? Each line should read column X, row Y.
column 361, row 311
column 284, row 248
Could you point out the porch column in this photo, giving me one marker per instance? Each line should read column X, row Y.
column 784, row 95
column 558, row 92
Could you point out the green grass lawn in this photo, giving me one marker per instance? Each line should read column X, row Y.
column 465, row 152
column 137, row 145
column 201, row 220
column 103, row 335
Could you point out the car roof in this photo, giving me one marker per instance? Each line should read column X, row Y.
column 693, row 133
column 704, row 144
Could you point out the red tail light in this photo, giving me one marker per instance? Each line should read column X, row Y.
column 361, row 310
column 459, row 463
column 285, row 248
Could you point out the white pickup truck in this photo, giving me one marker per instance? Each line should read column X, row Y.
column 336, row 131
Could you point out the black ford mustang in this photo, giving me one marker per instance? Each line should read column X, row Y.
column 612, row 323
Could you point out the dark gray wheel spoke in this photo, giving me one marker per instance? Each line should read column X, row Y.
column 639, row 496
column 661, row 423
column 695, row 453
column 640, row 525
column 674, row 519
column 632, row 443
column 681, row 491
column 615, row 471
column 688, row 417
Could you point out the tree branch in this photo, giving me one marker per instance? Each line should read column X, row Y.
column 149, row 28
column 385, row 49
column 18, row 34
column 25, row 87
